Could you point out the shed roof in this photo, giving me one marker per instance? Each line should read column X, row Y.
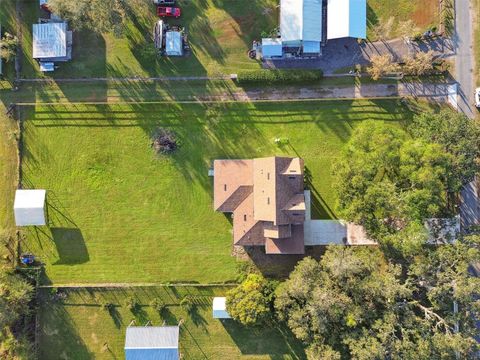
column 29, row 199
column 49, row 40
column 173, row 43
column 152, row 337
column 219, row 308
column 301, row 20
column 347, row 18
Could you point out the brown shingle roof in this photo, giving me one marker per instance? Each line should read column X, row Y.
column 266, row 198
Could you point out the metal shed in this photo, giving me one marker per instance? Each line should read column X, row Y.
column 219, row 308
column 50, row 40
column 300, row 20
column 173, row 43
column 347, row 18
column 29, row 207
column 271, row 48
column 152, row 343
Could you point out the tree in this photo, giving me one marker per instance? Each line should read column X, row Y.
column 355, row 303
column 381, row 65
column 383, row 29
column 101, row 16
column 458, row 136
column 385, row 183
column 250, row 302
column 420, row 64
column 8, row 47
column 407, row 29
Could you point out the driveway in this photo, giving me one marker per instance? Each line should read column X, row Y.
column 343, row 53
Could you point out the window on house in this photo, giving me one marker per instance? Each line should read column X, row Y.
column 268, row 200
column 291, row 177
column 245, row 217
column 225, row 187
column 268, row 176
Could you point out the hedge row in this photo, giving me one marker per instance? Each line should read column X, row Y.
column 279, row 76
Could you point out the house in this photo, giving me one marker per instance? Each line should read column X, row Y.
column 29, row 207
column 219, row 308
column 52, row 43
column 266, row 198
column 173, row 43
column 152, row 343
column 305, row 25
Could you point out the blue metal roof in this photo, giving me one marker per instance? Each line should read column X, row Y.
column 271, row 47
column 151, row 354
column 311, row 47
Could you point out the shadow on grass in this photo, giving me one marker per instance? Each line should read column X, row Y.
column 274, row 340
column 70, row 245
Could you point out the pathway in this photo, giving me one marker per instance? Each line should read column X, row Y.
column 437, row 92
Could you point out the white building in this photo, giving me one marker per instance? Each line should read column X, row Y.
column 173, row 43
column 152, row 343
column 29, row 207
column 307, row 24
column 346, row 18
column 220, row 308
column 52, row 42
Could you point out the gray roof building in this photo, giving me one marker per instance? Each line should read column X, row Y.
column 152, row 343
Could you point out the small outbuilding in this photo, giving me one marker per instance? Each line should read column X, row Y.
column 29, row 207
column 152, row 343
column 220, row 308
column 173, row 43
column 52, row 42
column 272, row 48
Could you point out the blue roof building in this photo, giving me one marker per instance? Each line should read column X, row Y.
column 152, row 343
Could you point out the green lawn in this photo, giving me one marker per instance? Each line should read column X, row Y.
column 79, row 328
column 119, row 213
column 219, row 33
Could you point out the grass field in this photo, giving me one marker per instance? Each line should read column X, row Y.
column 119, row 213
column 79, row 328
column 425, row 14
column 219, row 33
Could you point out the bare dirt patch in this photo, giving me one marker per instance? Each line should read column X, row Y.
column 426, row 13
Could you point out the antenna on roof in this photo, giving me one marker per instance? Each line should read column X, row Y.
column 131, row 322
column 148, row 323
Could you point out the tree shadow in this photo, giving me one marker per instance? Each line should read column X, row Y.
column 274, row 340
column 70, row 246
column 116, row 316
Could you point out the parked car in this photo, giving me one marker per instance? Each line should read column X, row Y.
column 168, row 11
column 164, row 2
column 477, row 97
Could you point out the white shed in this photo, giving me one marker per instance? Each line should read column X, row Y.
column 347, row 18
column 29, row 207
column 220, row 308
column 50, row 41
column 173, row 43
column 300, row 20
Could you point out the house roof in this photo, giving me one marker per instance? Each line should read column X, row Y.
column 265, row 196
column 29, row 207
column 347, row 18
column 219, row 308
column 301, row 20
column 49, row 40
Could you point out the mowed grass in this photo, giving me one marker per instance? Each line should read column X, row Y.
column 219, row 34
column 120, row 213
column 79, row 328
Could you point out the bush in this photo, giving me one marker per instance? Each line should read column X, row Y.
column 187, row 303
column 132, row 304
column 158, row 304
column 278, row 76
column 164, row 141
column 108, row 306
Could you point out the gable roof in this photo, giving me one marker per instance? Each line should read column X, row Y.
column 347, row 18
column 152, row 343
column 49, row 40
column 301, row 20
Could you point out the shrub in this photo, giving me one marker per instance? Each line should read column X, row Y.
column 158, row 304
column 132, row 304
column 187, row 303
column 108, row 306
column 278, row 76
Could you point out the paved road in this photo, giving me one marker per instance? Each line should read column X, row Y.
column 464, row 63
column 465, row 76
